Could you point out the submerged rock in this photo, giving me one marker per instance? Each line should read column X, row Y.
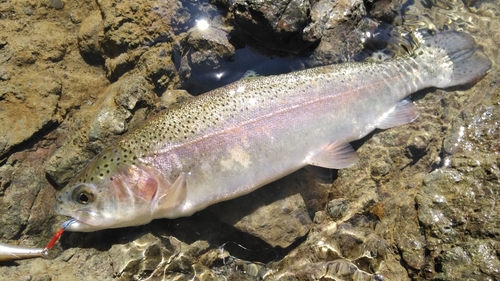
column 272, row 26
column 205, row 51
column 289, row 200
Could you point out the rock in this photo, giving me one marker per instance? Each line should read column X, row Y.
column 129, row 27
column 326, row 15
column 339, row 250
column 171, row 97
column 43, row 43
column 56, row 4
column 206, row 52
column 337, row 208
column 279, row 218
column 21, row 107
column 383, row 10
column 276, row 214
column 156, row 64
column 4, row 74
column 90, row 38
column 209, row 48
column 142, row 256
column 335, row 24
column 417, row 145
column 453, row 207
column 272, row 26
column 16, row 202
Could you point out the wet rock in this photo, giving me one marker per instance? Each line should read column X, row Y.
column 208, row 48
column 344, row 250
column 384, row 10
column 417, row 145
column 380, row 164
column 277, row 214
column 453, row 204
column 141, row 257
column 273, row 26
column 171, row 97
column 336, row 24
column 290, row 221
column 151, row 257
column 326, row 15
column 204, row 53
column 337, row 208
column 457, row 131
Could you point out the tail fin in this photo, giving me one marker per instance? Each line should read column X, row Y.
column 452, row 59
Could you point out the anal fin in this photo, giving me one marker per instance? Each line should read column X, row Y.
column 335, row 156
column 403, row 113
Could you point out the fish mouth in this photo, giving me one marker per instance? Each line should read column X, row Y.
column 81, row 221
column 81, row 224
column 75, row 225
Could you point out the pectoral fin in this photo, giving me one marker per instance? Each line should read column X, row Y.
column 403, row 113
column 174, row 196
column 335, row 156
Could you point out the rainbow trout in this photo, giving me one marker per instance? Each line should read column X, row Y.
column 235, row 139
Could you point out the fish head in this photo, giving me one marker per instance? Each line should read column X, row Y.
column 82, row 202
column 107, row 195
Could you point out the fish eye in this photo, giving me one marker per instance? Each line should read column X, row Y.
column 84, row 198
column 83, row 195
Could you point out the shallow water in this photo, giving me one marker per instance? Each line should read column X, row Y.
column 420, row 204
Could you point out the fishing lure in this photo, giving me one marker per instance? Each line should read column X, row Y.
column 13, row 253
